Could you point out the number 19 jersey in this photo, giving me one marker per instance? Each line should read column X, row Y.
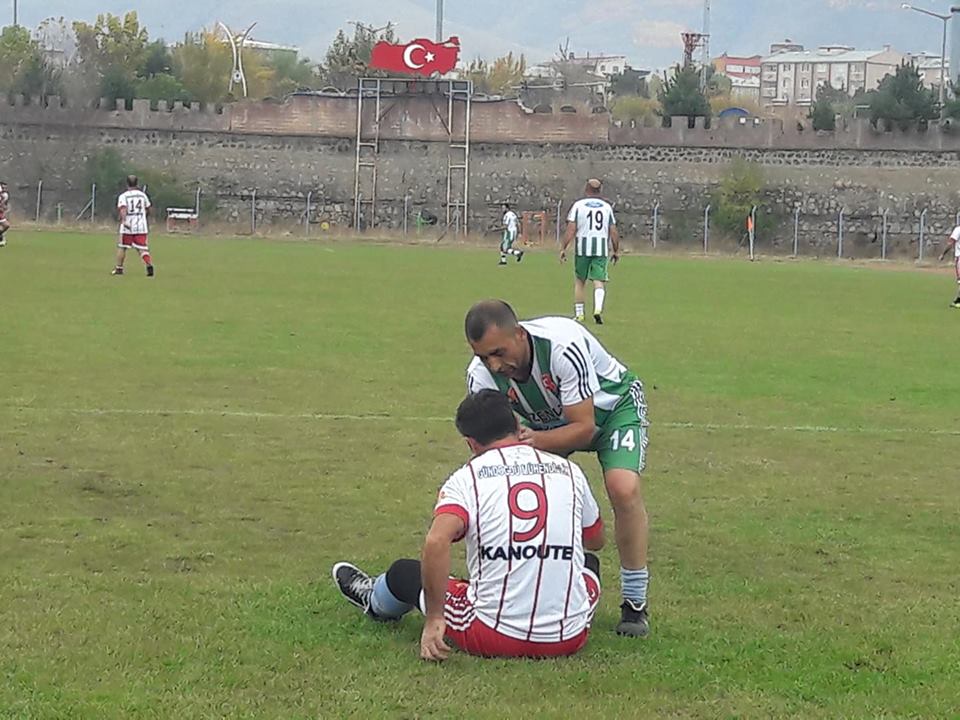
column 594, row 218
column 526, row 514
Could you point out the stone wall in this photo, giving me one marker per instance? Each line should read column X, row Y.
column 286, row 150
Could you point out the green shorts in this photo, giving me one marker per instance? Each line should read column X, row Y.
column 622, row 441
column 509, row 238
column 591, row 268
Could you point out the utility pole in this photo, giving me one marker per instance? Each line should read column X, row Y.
column 439, row 21
column 15, row 23
column 943, row 51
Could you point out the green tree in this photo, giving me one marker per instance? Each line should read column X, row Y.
column 203, row 63
column 497, row 78
column 823, row 113
column 37, row 78
column 291, row 73
column 113, row 49
column 24, row 70
column 157, row 60
column 740, row 189
column 901, row 99
column 634, row 108
column 349, row 58
column 681, row 95
column 629, row 83
column 163, row 86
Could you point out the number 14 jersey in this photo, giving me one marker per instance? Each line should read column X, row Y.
column 526, row 513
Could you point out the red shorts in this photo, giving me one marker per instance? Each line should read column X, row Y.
column 474, row 637
column 136, row 241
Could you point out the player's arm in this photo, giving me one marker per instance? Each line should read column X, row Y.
column 950, row 243
column 569, row 234
column 435, row 571
column 615, row 240
column 123, row 215
column 577, row 434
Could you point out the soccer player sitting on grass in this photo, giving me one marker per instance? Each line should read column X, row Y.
column 526, row 518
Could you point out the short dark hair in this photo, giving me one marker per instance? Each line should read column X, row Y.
column 506, row 205
column 486, row 417
column 132, row 181
column 486, row 313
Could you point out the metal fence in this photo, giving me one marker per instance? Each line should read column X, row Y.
column 252, row 209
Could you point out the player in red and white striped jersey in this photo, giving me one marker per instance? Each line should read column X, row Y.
column 133, row 206
column 527, row 519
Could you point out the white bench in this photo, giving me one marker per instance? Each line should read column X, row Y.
column 177, row 217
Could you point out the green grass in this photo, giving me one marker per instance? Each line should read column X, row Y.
column 174, row 488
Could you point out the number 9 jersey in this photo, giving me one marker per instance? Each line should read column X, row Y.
column 594, row 218
column 526, row 513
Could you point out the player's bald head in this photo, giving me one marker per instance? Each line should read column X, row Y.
column 593, row 187
column 487, row 314
column 132, row 181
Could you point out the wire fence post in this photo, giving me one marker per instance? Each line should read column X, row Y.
column 883, row 235
column 356, row 218
column 253, row 212
column 306, row 215
column 59, row 213
column 753, row 230
column 796, row 231
column 840, row 232
column 406, row 211
column 923, row 234
column 39, row 192
column 93, row 204
column 706, row 229
column 196, row 202
column 656, row 223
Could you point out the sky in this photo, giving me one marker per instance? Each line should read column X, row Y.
column 646, row 31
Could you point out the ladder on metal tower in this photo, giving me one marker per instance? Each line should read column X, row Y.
column 459, row 97
column 368, row 149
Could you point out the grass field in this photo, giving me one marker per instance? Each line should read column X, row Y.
column 183, row 458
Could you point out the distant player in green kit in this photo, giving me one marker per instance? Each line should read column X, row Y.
column 511, row 228
column 592, row 224
column 573, row 395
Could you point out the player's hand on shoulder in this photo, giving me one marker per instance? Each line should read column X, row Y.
column 432, row 646
column 527, row 436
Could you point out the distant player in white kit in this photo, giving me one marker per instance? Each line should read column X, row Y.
column 133, row 206
column 4, row 209
column 954, row 242
column 592, row 224
column 527, row 519
column 511, row 228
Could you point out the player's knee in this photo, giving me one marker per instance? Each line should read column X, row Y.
column 623, row 489
column 403, row 580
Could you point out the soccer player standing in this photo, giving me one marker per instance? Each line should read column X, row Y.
column 592, row 224
column 134, row 207
column 4, row 209
column 511, row 228
column 573, row 395
column 954, row 242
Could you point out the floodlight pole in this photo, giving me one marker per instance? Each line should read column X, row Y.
column 15, row 23
column 439, row 21
column 943, row 51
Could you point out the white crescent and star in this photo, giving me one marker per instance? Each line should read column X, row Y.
column 428, row 57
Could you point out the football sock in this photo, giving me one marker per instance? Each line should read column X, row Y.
column 383, row 603
column 503, row 257
column 634, row 584
column 146, row 258
column 578, row 309
column 598, row 296
column 514, row 251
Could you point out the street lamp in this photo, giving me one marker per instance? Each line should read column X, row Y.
column 943, row 51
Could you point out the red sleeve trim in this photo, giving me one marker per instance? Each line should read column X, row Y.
column 459, row 512
column 594, row 532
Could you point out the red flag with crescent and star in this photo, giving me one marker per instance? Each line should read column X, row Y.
column 420, row 57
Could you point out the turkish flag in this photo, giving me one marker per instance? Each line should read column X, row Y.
column 420, row 57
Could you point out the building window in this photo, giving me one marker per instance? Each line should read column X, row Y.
column 616, row 69
column 805, row 67
column 823, row 68
column 805, row 83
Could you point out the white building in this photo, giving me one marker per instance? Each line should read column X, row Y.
column 792, row 78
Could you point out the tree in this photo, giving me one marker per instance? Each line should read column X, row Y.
column 163, row 86
column 291, row 73
column 26, row 71
column 681, row 95
column 823, row 114
column 498, row 78
column 740, row 190
column 203, row 63
column 902, row 99
column 629, row 83
column 348, row 59
column 157, row 60
column 640, row 110
column 114, row 50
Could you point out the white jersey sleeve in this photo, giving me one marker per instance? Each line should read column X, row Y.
column 955, row 235
column 479, row 378
column 454, row 498
column 573, row 368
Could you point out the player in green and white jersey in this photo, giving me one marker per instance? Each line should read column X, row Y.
column 592, row 224
column 571, row 394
